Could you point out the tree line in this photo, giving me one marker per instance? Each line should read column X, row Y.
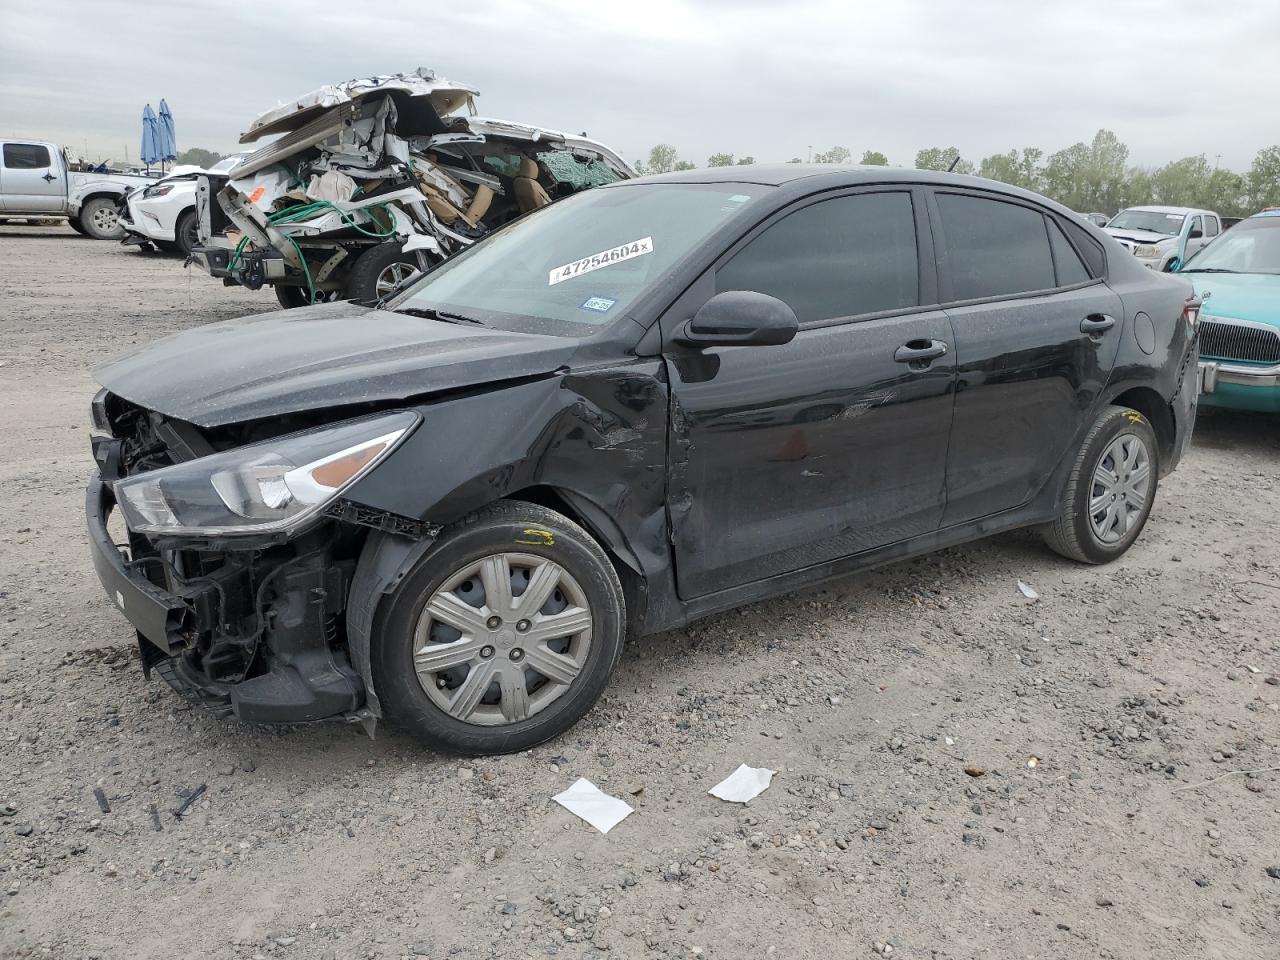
column 1088, row 177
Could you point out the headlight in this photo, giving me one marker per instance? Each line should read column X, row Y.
column 159, row 190
column 263, row 487
column 1148, row 251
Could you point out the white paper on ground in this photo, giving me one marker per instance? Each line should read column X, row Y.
column 743, row 784
column 584, row 799
column 1028, row 591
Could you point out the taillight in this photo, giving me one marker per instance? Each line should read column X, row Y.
column 1191, row 311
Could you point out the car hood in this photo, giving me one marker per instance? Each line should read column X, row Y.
column 318, row 357
column 1239, row 296
column 1138, row 236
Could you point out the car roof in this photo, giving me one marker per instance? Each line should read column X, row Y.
column 1155, row 208
column 823, row 176
column 780, row 174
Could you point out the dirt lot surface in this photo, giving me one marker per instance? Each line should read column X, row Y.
column 1130, row 684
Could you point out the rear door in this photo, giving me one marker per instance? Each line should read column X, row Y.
column 784, row 457
column 31, row 179
column 1037, row 331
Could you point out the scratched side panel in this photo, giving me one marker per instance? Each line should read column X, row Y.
column 599, row 437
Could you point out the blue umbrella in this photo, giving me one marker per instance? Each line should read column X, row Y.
column 150, row 152
column 169, row 141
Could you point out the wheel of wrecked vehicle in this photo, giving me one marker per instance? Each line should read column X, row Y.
column 290, row 297
column 101, row 220
column 379, row 271
column 503, row 635
column 185, row 232
column 1110, row 491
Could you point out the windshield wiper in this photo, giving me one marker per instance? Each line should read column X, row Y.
column 1207, row 270
column 429, row 313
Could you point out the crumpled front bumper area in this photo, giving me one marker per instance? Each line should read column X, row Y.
column 253, row 630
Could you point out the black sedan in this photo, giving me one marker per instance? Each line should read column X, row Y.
column 648, row 403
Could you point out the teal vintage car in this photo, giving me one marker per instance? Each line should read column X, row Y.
column 1238, row 277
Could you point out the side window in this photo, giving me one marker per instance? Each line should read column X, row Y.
column 994, row 248
column 1089, row 248
column 1196, row 224
column 1065, row 259
column 26, row 156
column 1210, row 226
column 835, row 258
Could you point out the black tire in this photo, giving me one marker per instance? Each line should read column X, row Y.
column 290, row 297
column 493, row 530
column 93, row 217
column 1072, row 534
column 185, row 233
column 75, row 224
column 372, row 265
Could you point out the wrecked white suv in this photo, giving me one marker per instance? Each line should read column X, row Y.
column 373, row 181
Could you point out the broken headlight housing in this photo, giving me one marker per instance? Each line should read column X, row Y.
column 268, row 487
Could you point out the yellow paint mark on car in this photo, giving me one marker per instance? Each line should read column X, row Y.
column 1134, row 417
column 537, row 538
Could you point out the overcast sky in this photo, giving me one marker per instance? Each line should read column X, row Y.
column 758, row 77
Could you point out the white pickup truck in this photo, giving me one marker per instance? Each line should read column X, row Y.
column 40, row 179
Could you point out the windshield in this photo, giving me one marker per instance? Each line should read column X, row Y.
column 1252, row 246
column 1152, row 221
column 582, row 261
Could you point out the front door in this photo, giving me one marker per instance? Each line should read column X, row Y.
column 783, row 457
column 32, row 183
column 1036, row 336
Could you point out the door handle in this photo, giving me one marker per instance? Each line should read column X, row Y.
column 48, row 178
column 1097, row 323
column 921, row 352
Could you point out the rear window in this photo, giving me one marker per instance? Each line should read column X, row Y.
column 580, row 174
column 1089, row 248
column 994, row 248
column 26, row 156
column 1065, row 260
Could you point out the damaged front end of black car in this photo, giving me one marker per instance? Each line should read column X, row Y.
column 240, row 554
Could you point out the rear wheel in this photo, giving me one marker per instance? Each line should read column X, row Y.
column 503, row 635
column 1110, row 491
column 101, row 220
column 381, row 270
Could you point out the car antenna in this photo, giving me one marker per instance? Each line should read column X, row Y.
column 953, row 163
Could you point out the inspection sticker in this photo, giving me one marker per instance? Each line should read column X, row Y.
column 598, row 304
column 605, row 258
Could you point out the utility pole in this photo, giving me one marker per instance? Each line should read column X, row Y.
column 810, row 160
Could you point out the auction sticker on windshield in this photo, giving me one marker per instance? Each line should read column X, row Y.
column 605, row 258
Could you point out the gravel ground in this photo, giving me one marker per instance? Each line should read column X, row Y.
column 876, row 700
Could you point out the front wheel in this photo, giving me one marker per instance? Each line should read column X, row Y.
column 1110, row 491
column 503, row 635
column 383, row 270
column 101, row 220
column 186, row 232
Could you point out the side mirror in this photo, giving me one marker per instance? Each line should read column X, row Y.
column 740, row 318
column 1195, row 234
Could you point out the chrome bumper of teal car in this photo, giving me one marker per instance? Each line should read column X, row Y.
column 1214, row 372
